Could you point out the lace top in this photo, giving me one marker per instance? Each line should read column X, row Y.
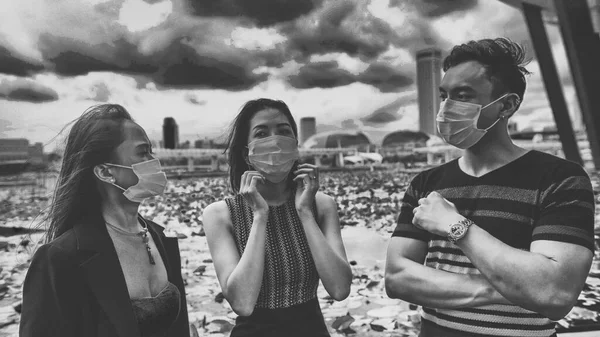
column 155, row 315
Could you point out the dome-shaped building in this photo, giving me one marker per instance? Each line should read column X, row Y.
column 405, row 139
column 399, row 145
column 338, row 138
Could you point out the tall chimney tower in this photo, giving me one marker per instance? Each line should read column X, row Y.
column 429, row 77
column 308, row 127
column 170, row 133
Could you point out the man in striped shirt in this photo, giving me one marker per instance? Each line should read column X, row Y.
column 500, row 241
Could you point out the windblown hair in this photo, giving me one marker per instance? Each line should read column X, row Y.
column 503, row 60
column 91, row 141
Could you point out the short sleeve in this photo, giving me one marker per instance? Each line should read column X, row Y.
column 567, row 208
column 404, row 225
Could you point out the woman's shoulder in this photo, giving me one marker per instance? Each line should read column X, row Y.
column 217, row 212
column 66, row 243
column 60, row 252
column 324, row 200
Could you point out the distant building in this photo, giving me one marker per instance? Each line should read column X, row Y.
column 339, row 139
column 185, row 145
column 308, row 128
column 14, row 149
column 16, row 155
column 36, row 154
column 429, row 77
column 170, row 133
column 400, row 144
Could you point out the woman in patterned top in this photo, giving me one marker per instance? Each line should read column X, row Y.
column 274, row 240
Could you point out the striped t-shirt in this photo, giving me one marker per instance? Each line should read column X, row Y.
column 536, row 197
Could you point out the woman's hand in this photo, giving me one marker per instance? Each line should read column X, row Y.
column 307, row 178
column 248, row 190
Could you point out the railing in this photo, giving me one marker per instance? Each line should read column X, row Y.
column 211, row 153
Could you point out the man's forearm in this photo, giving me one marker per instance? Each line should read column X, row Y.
column 530, row 280
column 425, row 286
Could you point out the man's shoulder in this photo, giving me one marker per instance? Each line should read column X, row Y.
column 431, row 174
column 557, row 168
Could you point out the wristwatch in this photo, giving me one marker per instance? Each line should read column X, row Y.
column 459, row 229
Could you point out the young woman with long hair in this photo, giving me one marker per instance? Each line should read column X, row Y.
column 278, row 236
column 104, row 269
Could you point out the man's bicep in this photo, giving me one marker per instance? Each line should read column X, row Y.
column 401, row 249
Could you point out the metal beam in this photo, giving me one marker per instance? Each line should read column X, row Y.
column 583, row 51
column 558, row 104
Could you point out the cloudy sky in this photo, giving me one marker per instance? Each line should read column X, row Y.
column 344, row 62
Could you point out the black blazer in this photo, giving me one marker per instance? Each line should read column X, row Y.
column 75, row 286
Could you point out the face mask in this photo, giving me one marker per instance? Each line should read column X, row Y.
column 457, row 122
column 151, row 180
column 273, row 156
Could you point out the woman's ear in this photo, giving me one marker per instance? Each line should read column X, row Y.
column 102, row 172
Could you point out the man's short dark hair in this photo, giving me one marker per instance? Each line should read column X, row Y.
column 503, row 60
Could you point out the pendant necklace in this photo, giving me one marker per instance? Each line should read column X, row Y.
column 143, row 234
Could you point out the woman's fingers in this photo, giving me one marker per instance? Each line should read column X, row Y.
column 301, row 177
column 254, row 179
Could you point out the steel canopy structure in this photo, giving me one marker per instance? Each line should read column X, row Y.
column 582, row 46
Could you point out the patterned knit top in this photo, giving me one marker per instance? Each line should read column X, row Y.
column 290, row 275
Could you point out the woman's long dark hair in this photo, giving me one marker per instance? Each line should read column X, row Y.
column 238, row 136
column 92, row 140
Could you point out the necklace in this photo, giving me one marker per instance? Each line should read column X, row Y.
column 143, row 233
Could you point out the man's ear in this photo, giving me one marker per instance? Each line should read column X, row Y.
column 510, row 106
column 102, row 172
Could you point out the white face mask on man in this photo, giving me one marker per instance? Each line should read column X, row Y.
column 457, row 122
column 151, row 180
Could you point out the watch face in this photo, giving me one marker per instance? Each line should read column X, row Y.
column 457, row 230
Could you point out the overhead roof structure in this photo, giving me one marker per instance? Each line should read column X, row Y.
column 576, row 19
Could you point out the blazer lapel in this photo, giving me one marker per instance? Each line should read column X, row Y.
column 105, row 276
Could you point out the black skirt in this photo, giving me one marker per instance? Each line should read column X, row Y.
column 305, row 319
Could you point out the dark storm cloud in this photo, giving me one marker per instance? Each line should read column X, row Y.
column 339, row 26
column 261, row 12
column 72, row 58
column 329, row 75
column 13, row 65
column 389, row 112
column 184, row 69
column 178, row 65
column 436, row 8
column 26, row 91
column 321, row 75
column 385, row 77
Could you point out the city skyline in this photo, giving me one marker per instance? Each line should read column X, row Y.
column 327, row 61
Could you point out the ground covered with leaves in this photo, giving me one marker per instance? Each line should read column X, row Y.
column 368, row 205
